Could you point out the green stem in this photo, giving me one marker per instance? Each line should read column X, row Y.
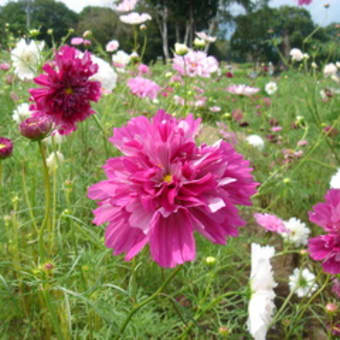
column 46, row 221
column 147, row 300
column 99, row 124
column 28, row 202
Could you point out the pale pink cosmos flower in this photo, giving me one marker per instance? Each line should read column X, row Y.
column 126, row 6
column 195, row 63
column 215, row 109
column 5, row 66
column 112, row 46
column 270, row 222
column 302, row 142
column 143, row 87
column 276, row 128
column 135, row 18
column 143, row 69
column 165, row 187
column 242, row 90
column 77, row 41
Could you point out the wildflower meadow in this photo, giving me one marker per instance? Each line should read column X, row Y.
column 190, row 197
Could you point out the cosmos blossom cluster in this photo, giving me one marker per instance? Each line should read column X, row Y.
column 165, row 187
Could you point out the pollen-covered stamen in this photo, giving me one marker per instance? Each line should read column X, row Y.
column 167, row 178
column 69, row 90
column 2, row 146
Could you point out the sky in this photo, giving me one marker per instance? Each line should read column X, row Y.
column 319, row 14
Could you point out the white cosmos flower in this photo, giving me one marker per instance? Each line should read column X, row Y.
column 260, row 310
column 296, row 54
column 261, row 305
column 256, row 141
column 271, row 88
column 335, row 180
column 120, row 59
column 135, row 18
column 26, row 58
column 21, row 112
column 105, row 75
column 302, row 282
column 54, row 138
column 54, row 159
column 298, row 232
column 181, row 49
column 330, row 70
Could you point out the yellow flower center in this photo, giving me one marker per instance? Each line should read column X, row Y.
column 167, row 178
column 2, row 146
column 68, row 90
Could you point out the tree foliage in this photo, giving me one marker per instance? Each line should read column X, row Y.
column 288, row 26
column 43, row 15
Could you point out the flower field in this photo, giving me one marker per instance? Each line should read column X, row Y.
column 195, row 199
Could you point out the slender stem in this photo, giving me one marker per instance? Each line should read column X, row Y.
column 147, row 300
column 28, row 202
column 46, row 220
column 99, row 124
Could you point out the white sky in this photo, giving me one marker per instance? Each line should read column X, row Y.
column 320, row 15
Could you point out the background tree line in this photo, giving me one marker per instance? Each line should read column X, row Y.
column 258, row 35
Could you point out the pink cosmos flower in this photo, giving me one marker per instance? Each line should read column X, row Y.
column 195, row 63
column 5, row 66
column 112, row 46
column 242, row 90
column 326, row 248
column 66, row 90
column 143, row 87
column 164, row 188
column 270, row 222
column 77, row 41
column 143, row 69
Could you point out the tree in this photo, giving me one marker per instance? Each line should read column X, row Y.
column 253, row 38
column 43, row 14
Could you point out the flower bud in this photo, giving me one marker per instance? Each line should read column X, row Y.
column 210, row 260
column 6, row 147
column 331, row 308
column 224, row 331
column 199, row 43
column 181, row 49
column 35, row 127
column 54, row 159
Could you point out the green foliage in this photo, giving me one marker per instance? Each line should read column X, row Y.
column 44, row 15
column 286, row 26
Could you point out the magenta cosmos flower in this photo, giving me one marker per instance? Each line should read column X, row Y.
column 164, row 188
column 66, row 90
column 270, row 222
column 6, row 147
column 326, row 248
column 304, row 2
column 143, row 87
